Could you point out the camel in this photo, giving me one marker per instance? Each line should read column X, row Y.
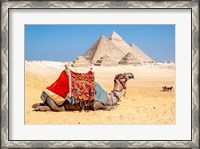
column 112, row 98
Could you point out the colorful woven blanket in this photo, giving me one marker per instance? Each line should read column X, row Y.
column 82, row 86
column 72, row 86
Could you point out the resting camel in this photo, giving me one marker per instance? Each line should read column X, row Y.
column 112, row 98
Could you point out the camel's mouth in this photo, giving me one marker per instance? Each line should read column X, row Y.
column 131, row 76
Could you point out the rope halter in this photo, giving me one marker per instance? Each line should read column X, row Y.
column 122, row 84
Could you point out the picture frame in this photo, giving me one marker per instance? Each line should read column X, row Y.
column 7, row 6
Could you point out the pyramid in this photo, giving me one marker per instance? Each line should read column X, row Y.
column 113, row 51
column 129, row 59
column 140, row 54
column 101, row 48
column 126, row 48
column 120, row 43
column 115, row 36
column 80, row 62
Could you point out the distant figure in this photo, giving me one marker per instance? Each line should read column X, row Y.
column 165, row 88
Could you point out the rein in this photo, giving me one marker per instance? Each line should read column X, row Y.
column 123, row 87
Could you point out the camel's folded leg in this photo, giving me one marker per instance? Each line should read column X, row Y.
column 38, row 104
column 42, row 108
column 54, row 106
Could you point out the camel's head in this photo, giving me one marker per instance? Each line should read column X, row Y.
column 124, row 76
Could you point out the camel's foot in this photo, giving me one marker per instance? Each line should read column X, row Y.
column 108, row 108
column 98, row 106
column 42, row 108
column 37, row 104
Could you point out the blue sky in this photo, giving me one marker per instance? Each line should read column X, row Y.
column 66, row 42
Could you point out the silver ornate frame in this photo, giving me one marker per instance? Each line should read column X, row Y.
column 6, row 143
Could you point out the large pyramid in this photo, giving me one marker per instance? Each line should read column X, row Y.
column 101, row 48
column 113, row 51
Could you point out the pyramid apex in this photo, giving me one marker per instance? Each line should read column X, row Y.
column 132, row 44
column 103, row 36
column 114, row 35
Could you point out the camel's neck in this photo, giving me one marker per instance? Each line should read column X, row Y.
column 117, row 89
column 116, row 93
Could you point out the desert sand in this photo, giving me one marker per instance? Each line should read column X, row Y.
column 144, row 103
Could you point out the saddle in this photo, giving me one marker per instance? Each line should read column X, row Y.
column 77, row 88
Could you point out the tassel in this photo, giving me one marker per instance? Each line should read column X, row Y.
column 124, row 93
column 81, row 105
column 87, row 105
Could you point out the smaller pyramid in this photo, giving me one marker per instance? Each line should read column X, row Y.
column 143, row 57
column 80, row 62
column 129, row 59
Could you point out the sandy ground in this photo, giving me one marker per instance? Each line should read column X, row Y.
column 144, row 103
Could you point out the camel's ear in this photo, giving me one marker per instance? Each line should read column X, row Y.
column 116, row 76
column 66, row 67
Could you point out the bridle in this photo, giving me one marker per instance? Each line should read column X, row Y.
column 122, row 84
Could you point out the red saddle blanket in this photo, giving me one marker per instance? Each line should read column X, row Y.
column 61, row 85
column 76, row 86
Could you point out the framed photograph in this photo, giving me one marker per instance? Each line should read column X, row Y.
column 99, row 74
